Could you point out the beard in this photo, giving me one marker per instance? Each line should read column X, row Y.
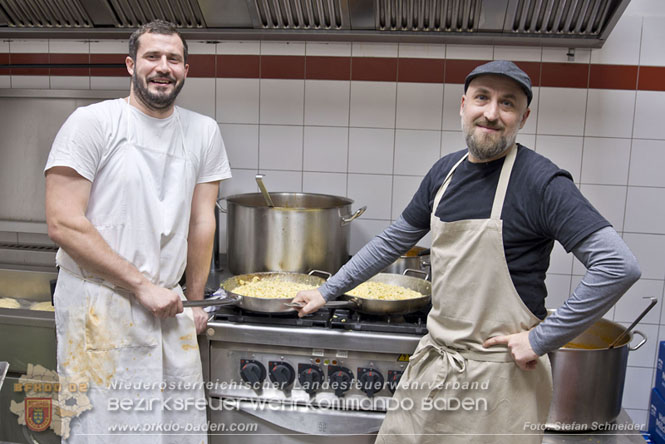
column 155, row 101
column 486, row 146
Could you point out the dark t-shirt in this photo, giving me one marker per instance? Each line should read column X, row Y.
column 542, row 205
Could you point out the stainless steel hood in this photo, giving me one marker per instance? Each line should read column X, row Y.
column 567, row 23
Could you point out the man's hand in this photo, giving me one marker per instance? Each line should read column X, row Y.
column 520, row 349
column 311, row 299
column 160, row 301
column 200, row 319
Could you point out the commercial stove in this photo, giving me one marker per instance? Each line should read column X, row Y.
column 327, row 377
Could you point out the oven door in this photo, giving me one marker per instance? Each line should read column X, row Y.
column 248, row 422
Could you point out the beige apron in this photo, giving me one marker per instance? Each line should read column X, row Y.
column 454, row 390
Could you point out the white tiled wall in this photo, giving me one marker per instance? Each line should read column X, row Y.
column 374, row 141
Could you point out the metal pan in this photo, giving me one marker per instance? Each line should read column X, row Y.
column 387, row 307
column 257, row 304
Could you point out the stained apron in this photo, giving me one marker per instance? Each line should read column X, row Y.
column 106, row 338
column 454, row 390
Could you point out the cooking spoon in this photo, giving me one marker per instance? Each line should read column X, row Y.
column 639, row 318
column 264, row 191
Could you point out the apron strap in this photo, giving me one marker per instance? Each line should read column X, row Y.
column 502, row 186
column 446, row 182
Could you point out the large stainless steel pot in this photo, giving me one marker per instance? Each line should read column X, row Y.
column 303, row 231
column 589, row 377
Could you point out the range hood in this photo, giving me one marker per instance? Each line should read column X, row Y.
column 566, row 23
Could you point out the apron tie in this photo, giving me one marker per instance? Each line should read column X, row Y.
column 454, row 358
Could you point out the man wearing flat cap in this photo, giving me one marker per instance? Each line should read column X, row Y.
column 481, row 374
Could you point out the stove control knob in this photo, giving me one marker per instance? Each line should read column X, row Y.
column 310, row 377
column 370, row 381
column 340, row 379
column 281, row 374
column 252, row 372
column 393, row 379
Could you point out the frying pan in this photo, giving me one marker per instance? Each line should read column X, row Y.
column 257, row 304
column 388, row 307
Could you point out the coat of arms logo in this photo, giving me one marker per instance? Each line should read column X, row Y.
column 38, row 413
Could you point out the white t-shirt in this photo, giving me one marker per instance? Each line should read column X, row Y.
column 143, row 172
column 92, row 133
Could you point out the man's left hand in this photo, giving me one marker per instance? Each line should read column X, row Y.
column 520, row 349
column 200, row 319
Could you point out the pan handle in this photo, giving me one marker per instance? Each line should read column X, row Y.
column 348, row 219
column 341, row 304
column 227, row 300
column 420, row 272
column 329, row 304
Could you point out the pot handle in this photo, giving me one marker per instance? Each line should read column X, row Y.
column 219, row 205
column 420, row 272
column 320, row 272
column 641, row 343
column 356, row 215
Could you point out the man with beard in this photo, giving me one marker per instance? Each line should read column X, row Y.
column 481, row 374
column 131, row 186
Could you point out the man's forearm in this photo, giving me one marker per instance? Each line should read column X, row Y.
column 67, row 196
column 200, row 238
column 199, row 253
column 373, row 257
column 611, row 270
column 81, row 240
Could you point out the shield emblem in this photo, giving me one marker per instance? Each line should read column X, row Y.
column 38, row 413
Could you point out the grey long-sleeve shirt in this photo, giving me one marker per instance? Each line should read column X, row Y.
column 611, row 270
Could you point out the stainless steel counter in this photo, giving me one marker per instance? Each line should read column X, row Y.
column 614, row 436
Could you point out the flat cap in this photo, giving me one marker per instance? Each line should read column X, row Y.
column 503, row 68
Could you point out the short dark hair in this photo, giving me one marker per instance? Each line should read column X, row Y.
column 156, row 27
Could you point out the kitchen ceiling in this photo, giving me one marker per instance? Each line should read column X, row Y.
column 565, row 23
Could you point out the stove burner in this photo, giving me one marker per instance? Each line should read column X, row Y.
column 412, row 323
column 233, row 314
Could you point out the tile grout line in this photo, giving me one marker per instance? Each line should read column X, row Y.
column 586, row 110
column 304, row 104
column 348, row 128
column 11, row 77
column 258, row 155
column 443, row 102
column 90, row 71
column 392, row 174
